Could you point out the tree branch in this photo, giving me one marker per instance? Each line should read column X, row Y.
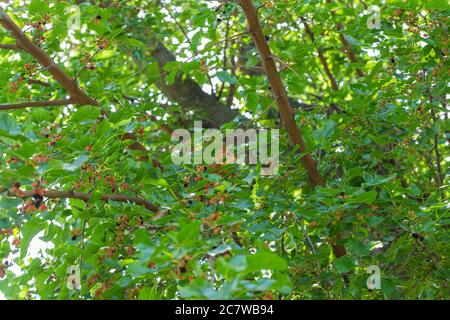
column 38, row 82
column 322, row 59
column 281, row 98
column 351, row 54
column 78, row 95
column 29, row 104
column 278, row 90
column 55, row 194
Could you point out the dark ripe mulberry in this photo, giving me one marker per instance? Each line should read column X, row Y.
column 37, row 200
column 417, row 236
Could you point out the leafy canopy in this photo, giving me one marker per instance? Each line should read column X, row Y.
column 370, row 102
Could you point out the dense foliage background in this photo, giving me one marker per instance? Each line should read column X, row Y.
column 371, row 104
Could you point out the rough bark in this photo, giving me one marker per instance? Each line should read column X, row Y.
column 283, row 102
column 278, row 90
column 187, row 93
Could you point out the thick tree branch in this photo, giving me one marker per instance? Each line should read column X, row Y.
column 280, row 96
column 76, row 94
column 278, row 91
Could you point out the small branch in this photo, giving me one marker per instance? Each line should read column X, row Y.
column 434, row 258
column 55, row 194
column 177, row 23
column 348, row 49
column 224, row 60
column 75, row 78
column 32, row 104
column 305, row 233
column 163, row 126
column 137, row 146
column 232, row 88
column 440, row 174
column 350, row 54
column 322, row 59
column 38, row 82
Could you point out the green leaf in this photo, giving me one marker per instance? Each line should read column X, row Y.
column 265, row 260
column 8, row 203
column 357, row 248
column 344, row 264
column 226, row 77
column 148, row 294
column 367, row 197
column 158, row 182
column 189, row 232
column 85, row 113
column 38, row 7
column 437, row 5
column 377, row 180
column 130, row 42
column 325, row 131
column 153, row 72
column 77, row 163
column 29, row 230
column 8, row 124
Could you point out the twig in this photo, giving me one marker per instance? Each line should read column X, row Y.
column 224, row 61
column 322, row 59
column 439, row 175
column 351, row 55
column 75, row 78
column 232, row 88
column 28, row 104
column 38, row 82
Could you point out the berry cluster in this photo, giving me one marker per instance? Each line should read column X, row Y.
column 102, row 43
column 40, row 24
column 52, row 133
